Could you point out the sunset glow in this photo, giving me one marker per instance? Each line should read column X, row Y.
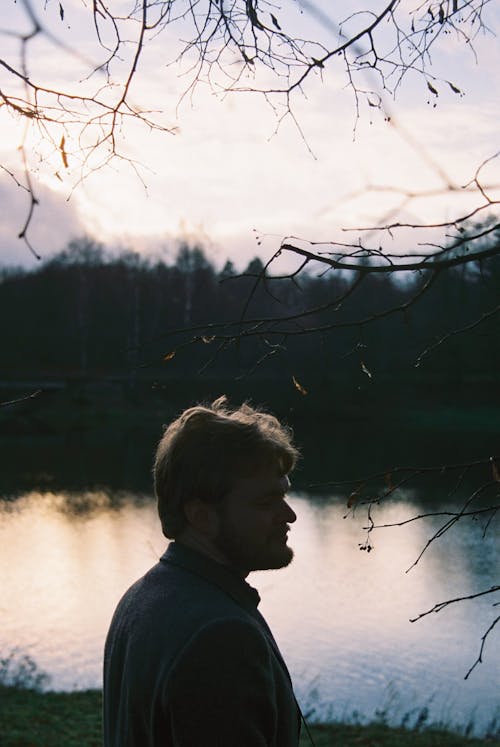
column 230, row 165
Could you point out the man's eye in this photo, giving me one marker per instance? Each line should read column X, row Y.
column 267, row 502
column 271, row 500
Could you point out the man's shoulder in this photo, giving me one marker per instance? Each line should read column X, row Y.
column 172, row 584
column 170, row 613
column 171, row 596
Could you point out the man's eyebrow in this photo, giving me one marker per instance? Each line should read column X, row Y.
column 276, row 493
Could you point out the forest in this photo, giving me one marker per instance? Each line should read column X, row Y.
column 90, row 314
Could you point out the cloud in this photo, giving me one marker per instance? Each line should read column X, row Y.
column 55, row 221
column 225, row 172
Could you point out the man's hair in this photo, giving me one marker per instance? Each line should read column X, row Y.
column 207, row 448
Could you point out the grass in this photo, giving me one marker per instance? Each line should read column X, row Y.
column 33, row 719
column 381, row 735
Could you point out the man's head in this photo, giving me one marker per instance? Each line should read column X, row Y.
column 222, row 473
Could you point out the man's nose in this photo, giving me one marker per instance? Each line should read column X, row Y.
column 290, row 514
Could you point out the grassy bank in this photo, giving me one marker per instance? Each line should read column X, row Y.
column 33, row 719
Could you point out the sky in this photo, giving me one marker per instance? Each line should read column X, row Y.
column 230, row 176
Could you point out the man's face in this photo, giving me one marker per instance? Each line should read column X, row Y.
column 253, row 522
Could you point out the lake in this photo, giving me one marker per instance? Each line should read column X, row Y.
column 340, row 615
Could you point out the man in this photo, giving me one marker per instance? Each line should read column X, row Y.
column 189, row 661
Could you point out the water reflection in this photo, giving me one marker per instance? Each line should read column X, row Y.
column 340, row 615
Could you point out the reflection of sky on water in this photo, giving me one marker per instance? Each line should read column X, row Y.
column 340, row 615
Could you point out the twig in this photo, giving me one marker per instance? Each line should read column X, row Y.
column 21, row 399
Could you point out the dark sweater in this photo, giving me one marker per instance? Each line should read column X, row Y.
column 189, row 661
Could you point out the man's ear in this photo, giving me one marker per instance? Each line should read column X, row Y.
column 201, row 516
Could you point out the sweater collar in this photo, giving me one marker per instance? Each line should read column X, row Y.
column 216, row 573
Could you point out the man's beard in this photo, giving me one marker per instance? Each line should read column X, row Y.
column 271, row 555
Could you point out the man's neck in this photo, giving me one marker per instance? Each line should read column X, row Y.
column 204, row 546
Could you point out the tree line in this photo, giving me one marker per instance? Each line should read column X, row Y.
column 87, row 312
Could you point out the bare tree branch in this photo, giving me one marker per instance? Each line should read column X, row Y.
column 481, row 648
column 453, row 332
column 380, row 47
column 470, row 509
column 442, row 605
column 427, row 263
column 21, row 399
